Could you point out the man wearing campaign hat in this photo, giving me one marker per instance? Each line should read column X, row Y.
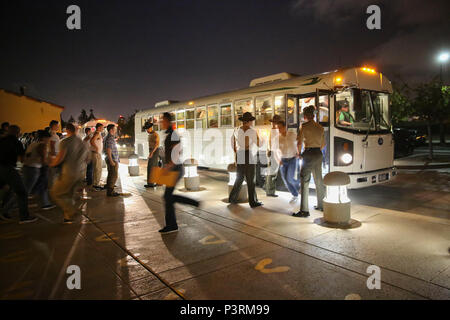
column 273, row 163
column 245, row 143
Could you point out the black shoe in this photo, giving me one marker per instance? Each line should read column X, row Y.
column 113, row 194
column 272, row 195
column 5, row 217
column 149, row 185
column 255, row 205
column 28, row 220
column 97, row 188
column 68, row 221
column 167, row 230
column 318, row 208
column 301, row 214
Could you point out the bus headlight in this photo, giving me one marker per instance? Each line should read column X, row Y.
column 347, row 158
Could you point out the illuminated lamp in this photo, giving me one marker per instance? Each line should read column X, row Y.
column 133, row 165
column 232, row 173
column 338, row 81
column 191, row 177
column 336, row 204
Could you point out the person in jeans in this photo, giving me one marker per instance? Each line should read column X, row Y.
column 35, row 169
column 288, row 154
column 112, row 160
column 72, row 158
column 272, row 166
column 172, row 162
column 12, row 150
column 311, row 136
column 89, row 168
column 153, row 154
column 244, row 144
column 97, row 148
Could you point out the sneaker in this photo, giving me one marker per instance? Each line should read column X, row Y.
column 294, row 199
column 49, row 207
column 149, row 185
column 301, row 214
column 68, row 221
column 167, row 230
column 28, row 220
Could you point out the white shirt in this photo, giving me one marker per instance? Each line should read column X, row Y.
column 55, row 138
column 245, row 140
column 98, row 143
column 288, row 144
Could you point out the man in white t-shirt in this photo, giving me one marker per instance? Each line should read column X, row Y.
column 97, row 149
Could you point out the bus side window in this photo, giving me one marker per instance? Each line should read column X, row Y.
column 323, row 111
column 225, row 115
column 190, row 119
column 291, row 111
column 200, row 118
column 174, row 118
column 155, row 123
column 240, row 107
column 280, row 107
column 180, row 119
column 263, row 110
column 213, row 117
column 302, row 104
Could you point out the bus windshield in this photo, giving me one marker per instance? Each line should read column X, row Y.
column 363, row 111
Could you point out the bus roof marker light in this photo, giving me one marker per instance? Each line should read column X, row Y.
column 191, row 103
column 368, row 70
column 338, row 81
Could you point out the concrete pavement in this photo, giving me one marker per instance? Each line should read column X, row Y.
column 233, row 252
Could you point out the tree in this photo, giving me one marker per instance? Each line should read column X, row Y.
column 427, row 106
column 91, row 115
column 401, row 102
column 83, row 117
column 126, row 124
column 71, row 120
column 444, row 112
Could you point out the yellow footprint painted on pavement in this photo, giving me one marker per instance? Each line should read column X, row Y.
column 261, row 267
column 173, row 296
column 129, row 261
column 207, row 240
column 106, row 237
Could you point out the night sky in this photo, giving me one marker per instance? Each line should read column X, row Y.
column 130, row 54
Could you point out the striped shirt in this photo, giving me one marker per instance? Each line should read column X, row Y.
column 110, row 143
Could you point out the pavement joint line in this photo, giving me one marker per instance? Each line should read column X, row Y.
column 306, row 243
column 166, row 283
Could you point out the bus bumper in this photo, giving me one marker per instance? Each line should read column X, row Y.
column 367, row 179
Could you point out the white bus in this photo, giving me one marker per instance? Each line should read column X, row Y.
column 353, row 105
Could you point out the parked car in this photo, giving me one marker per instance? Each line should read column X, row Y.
column 405, row 141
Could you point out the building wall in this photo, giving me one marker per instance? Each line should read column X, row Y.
column 29, row 114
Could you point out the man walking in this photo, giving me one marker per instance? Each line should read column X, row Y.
column 112, row 160
column 172, row 162
column 153, row 154
column 89, row 168
column 272, row 165
column 289, row 159
column 312, row 137
column 35, row 169
column 12, row 150
column 245, row 145
column 97, row 148
column 72, row 158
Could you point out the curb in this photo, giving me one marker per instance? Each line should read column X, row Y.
column 425, row 167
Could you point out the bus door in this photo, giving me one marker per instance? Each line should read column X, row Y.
column 291, row 112
column 322, row 104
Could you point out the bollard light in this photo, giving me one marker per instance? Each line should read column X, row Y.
column 191, row 177
column 243, row 194
column 336, row 204
column 133, row 165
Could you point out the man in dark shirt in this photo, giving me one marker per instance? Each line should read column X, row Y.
column 12, row 150
column 172, row 162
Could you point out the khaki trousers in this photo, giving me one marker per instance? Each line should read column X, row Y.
column 113, row 173
column 97, row 167
column 63, row 191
